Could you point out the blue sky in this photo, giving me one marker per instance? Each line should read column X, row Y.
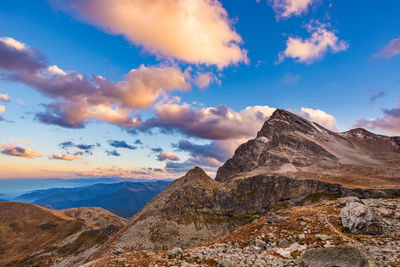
column 353, row 80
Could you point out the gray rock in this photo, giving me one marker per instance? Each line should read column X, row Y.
column 275, row 219
column 223, row 262
column 335, row 256
column 360, row 219
column 322, row 237
column 174, row 252
column 344, row 200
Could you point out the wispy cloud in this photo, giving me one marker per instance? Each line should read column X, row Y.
column 389, row 123
column 376, row 96
column 390, row 50
column 290, row 78
column 65, row 157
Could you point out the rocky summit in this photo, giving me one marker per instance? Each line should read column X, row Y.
column 288, row 144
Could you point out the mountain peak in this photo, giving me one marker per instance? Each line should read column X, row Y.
column 283, row 120
column 196, row 174
column 290, row 144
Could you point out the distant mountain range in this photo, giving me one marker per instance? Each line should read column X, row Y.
column 123, row 199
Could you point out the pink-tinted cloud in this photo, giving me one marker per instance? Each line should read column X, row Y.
column 2, row 109
column 79, row 99
column 4, row 98
column 16, row 56
column 18, row 151
column 167, row 156
column 389, row 123
column 287, row 8
column 314, row 48
column 216, row 123
column 196, row 31
column 390, row 50
column 65, row 157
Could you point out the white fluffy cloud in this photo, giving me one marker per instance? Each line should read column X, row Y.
column 321, row 117
column 309, row 50
column 288, row 8
column 195, row 31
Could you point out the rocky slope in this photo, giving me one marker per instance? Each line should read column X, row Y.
column 196, row 209
column 32, row 235
column 309, row 235
column 291, row 145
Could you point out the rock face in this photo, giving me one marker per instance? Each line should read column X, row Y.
column 288, row 143
column 360, row 219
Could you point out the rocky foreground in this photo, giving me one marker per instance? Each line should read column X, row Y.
column 343, row 232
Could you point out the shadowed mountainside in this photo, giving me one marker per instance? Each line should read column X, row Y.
column 123, row 199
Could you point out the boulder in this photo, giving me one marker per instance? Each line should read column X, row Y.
column 346, row 256
column 360, row 219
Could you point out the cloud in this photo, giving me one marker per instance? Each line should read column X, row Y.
column 18, row 151
column 120, row 144
column 314, row 48
column 79, row 99
column 289, row 78
column 113, row 153
column 156, row 150
column 167, row 156
column 208, row 156
column 196, row 31
column 389, row 123
column 376, row 96
column 212, row 150
column 203, row 80
column 4, row 98
column 65, row 157
column 287, row 8
column 80, row 149
column 390, row 50
column 216, row 123
column 16, row 56
column 321, row 117
column 2, row 109
column 116, row 172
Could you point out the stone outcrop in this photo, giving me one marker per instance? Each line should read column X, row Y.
column 360, row 219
